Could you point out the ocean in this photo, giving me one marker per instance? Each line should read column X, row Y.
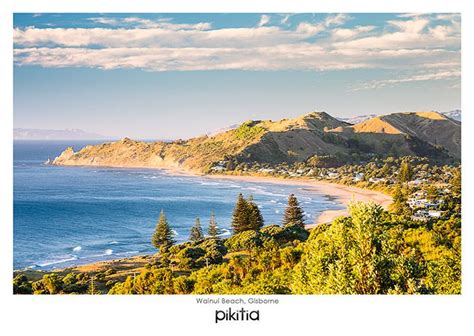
column 67, row 216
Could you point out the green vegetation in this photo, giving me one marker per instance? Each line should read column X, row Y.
column 248, row 131
column 196, row 231
column 293, row 213
column 406, row 172
column 213, row 231
column 246, row 215
column 163, row 236
column 415, row 248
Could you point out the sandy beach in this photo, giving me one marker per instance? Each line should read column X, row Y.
column 341, row 193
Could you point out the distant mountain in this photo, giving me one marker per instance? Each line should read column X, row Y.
column 428, row 134
column 421, row 133
column 357, row 119
column 455, row 114
column 49, row 134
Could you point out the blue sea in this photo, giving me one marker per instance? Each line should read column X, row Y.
column 66, row 216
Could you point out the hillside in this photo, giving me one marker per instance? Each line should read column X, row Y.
column 421, row 133
column 286, row 140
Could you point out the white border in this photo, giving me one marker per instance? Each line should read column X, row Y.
column 315, row 315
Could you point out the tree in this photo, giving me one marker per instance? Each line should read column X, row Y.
column 406, row 172
column 293, row 213
column 240, row 216
column 196, row 231
column 213, row 230
column 399, row 202
column 255, row 216
column 163, row 236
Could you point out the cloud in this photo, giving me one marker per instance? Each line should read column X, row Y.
column 413, row 26
column 264, row 19
column 137, row 22
column 433, row 76
column 346, row 33
column 336, row 20
column 160, row 44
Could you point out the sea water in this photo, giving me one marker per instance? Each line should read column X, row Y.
column 66, row 216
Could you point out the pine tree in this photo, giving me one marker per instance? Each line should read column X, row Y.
column 255, row 216
column 213, row 230
column 240, row 216
column 196, row 231
column 163, row 236
column 293, row 213
column 406, row 172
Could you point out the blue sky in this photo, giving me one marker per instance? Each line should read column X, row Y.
column 176, row 76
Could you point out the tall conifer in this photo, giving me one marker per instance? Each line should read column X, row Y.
column 196, row 231
column 213, row 230
column 240, row 216
column 293, row 213
column 255, row 216
column 163, row 236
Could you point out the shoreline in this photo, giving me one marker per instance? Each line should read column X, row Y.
column 341, row 193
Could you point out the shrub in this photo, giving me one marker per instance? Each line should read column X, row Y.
column 21, row 285
column 246, row 240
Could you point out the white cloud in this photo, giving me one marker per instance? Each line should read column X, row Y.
column 345, row 33
column 413, row 26
column 136, row 22
column 264, row 19
column 433, row 76
column 163, row 45
column 336, row 20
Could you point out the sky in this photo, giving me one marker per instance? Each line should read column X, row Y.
column 170, row 76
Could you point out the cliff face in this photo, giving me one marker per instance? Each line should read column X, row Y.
column 287, row 140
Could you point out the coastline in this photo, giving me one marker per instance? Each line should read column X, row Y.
column 342, row 193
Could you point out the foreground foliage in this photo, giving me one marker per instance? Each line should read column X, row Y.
column 370, row 252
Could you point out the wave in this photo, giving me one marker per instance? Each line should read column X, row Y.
column 54, row 262
column 114, row 242
column 77, row 248
column 225, row 233
column 210, row 183
column 175, row 232
column 128, row 252
column 108, row 252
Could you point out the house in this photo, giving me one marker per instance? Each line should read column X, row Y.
column 417, row 182
column 420, row 215
column 376, row 179
column 217, row 168
column 358, row 177
column 434, row 213
column 332, row 175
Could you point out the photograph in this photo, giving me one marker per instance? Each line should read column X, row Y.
column 298, row 154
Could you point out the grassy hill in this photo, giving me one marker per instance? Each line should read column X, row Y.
column 286, row 140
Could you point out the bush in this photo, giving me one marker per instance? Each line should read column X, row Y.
column 183, row 285
column 287, row 234
column 21, row 285
column 246, row 240
column 193, row 255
